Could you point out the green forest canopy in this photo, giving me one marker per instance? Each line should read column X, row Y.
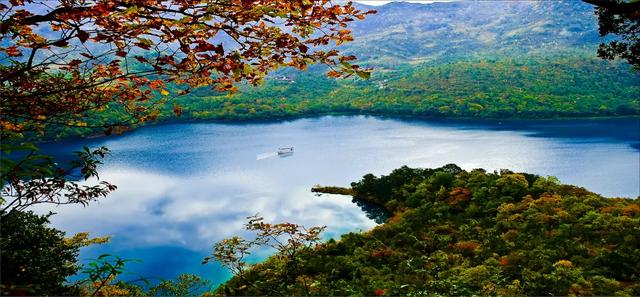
column 457, row 232
column 500, row 87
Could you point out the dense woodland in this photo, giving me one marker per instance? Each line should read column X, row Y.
column 518, row 88
column 464, row 233
column 536, row 87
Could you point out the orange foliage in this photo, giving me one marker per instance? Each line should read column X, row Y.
column 467, row 245
column 397, row 216
column 610, row 209
column 548, row 199
column 458, row 195
column 379, row 292
column 631, row 210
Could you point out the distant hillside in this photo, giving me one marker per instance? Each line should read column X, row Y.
column 517, row 59
column 411, row 32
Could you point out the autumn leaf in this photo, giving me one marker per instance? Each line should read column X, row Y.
column 111, row 30
column 74, row 63
column 156, row 84
column 12, row 51
column 333, row 73
column 83, row 36
column 177, row 110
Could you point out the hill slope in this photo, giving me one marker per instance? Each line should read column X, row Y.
column 410, row 32
column 459, row 233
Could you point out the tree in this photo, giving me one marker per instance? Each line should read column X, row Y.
column 62, row 62
column 36, row 259
column 65, row 58
column 622, row 19
column 36, row 178
column 187, row 285
column 289, row 240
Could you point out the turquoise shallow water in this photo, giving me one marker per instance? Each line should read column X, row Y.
column 182, row 187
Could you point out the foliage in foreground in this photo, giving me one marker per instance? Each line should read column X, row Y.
column 37, row 260
column 455, row 232
column 620, row 19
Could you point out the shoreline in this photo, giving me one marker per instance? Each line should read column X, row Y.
column 285, row 119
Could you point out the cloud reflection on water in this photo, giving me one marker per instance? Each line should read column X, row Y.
column 182, row 187
column 156, row 209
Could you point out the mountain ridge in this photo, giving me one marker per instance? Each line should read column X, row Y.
column 402, row 32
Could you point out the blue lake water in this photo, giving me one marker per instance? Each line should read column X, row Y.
column 182, row 187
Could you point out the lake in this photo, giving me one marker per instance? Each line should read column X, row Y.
column 183, row 187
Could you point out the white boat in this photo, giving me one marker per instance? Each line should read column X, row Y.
column 285, row 151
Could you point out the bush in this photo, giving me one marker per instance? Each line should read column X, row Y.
column 36, row 259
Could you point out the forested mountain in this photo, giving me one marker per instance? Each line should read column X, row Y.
column 412, row 33
column 520, row 59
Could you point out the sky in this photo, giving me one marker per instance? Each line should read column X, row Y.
column 382, row 2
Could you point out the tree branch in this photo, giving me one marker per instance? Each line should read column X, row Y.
column 632, row 7
column 52, row 15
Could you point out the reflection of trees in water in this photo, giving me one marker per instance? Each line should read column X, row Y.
column 373, row 211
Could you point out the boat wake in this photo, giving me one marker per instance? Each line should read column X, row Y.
column 266, row 156
column 282, row 152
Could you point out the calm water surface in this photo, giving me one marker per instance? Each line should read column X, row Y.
column 182, row 187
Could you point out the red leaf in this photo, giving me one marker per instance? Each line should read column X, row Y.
column 334, row 73
column 156, row 84
column 83, row 36
column 74, row 63
column 12, row 51
column 143, row 45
